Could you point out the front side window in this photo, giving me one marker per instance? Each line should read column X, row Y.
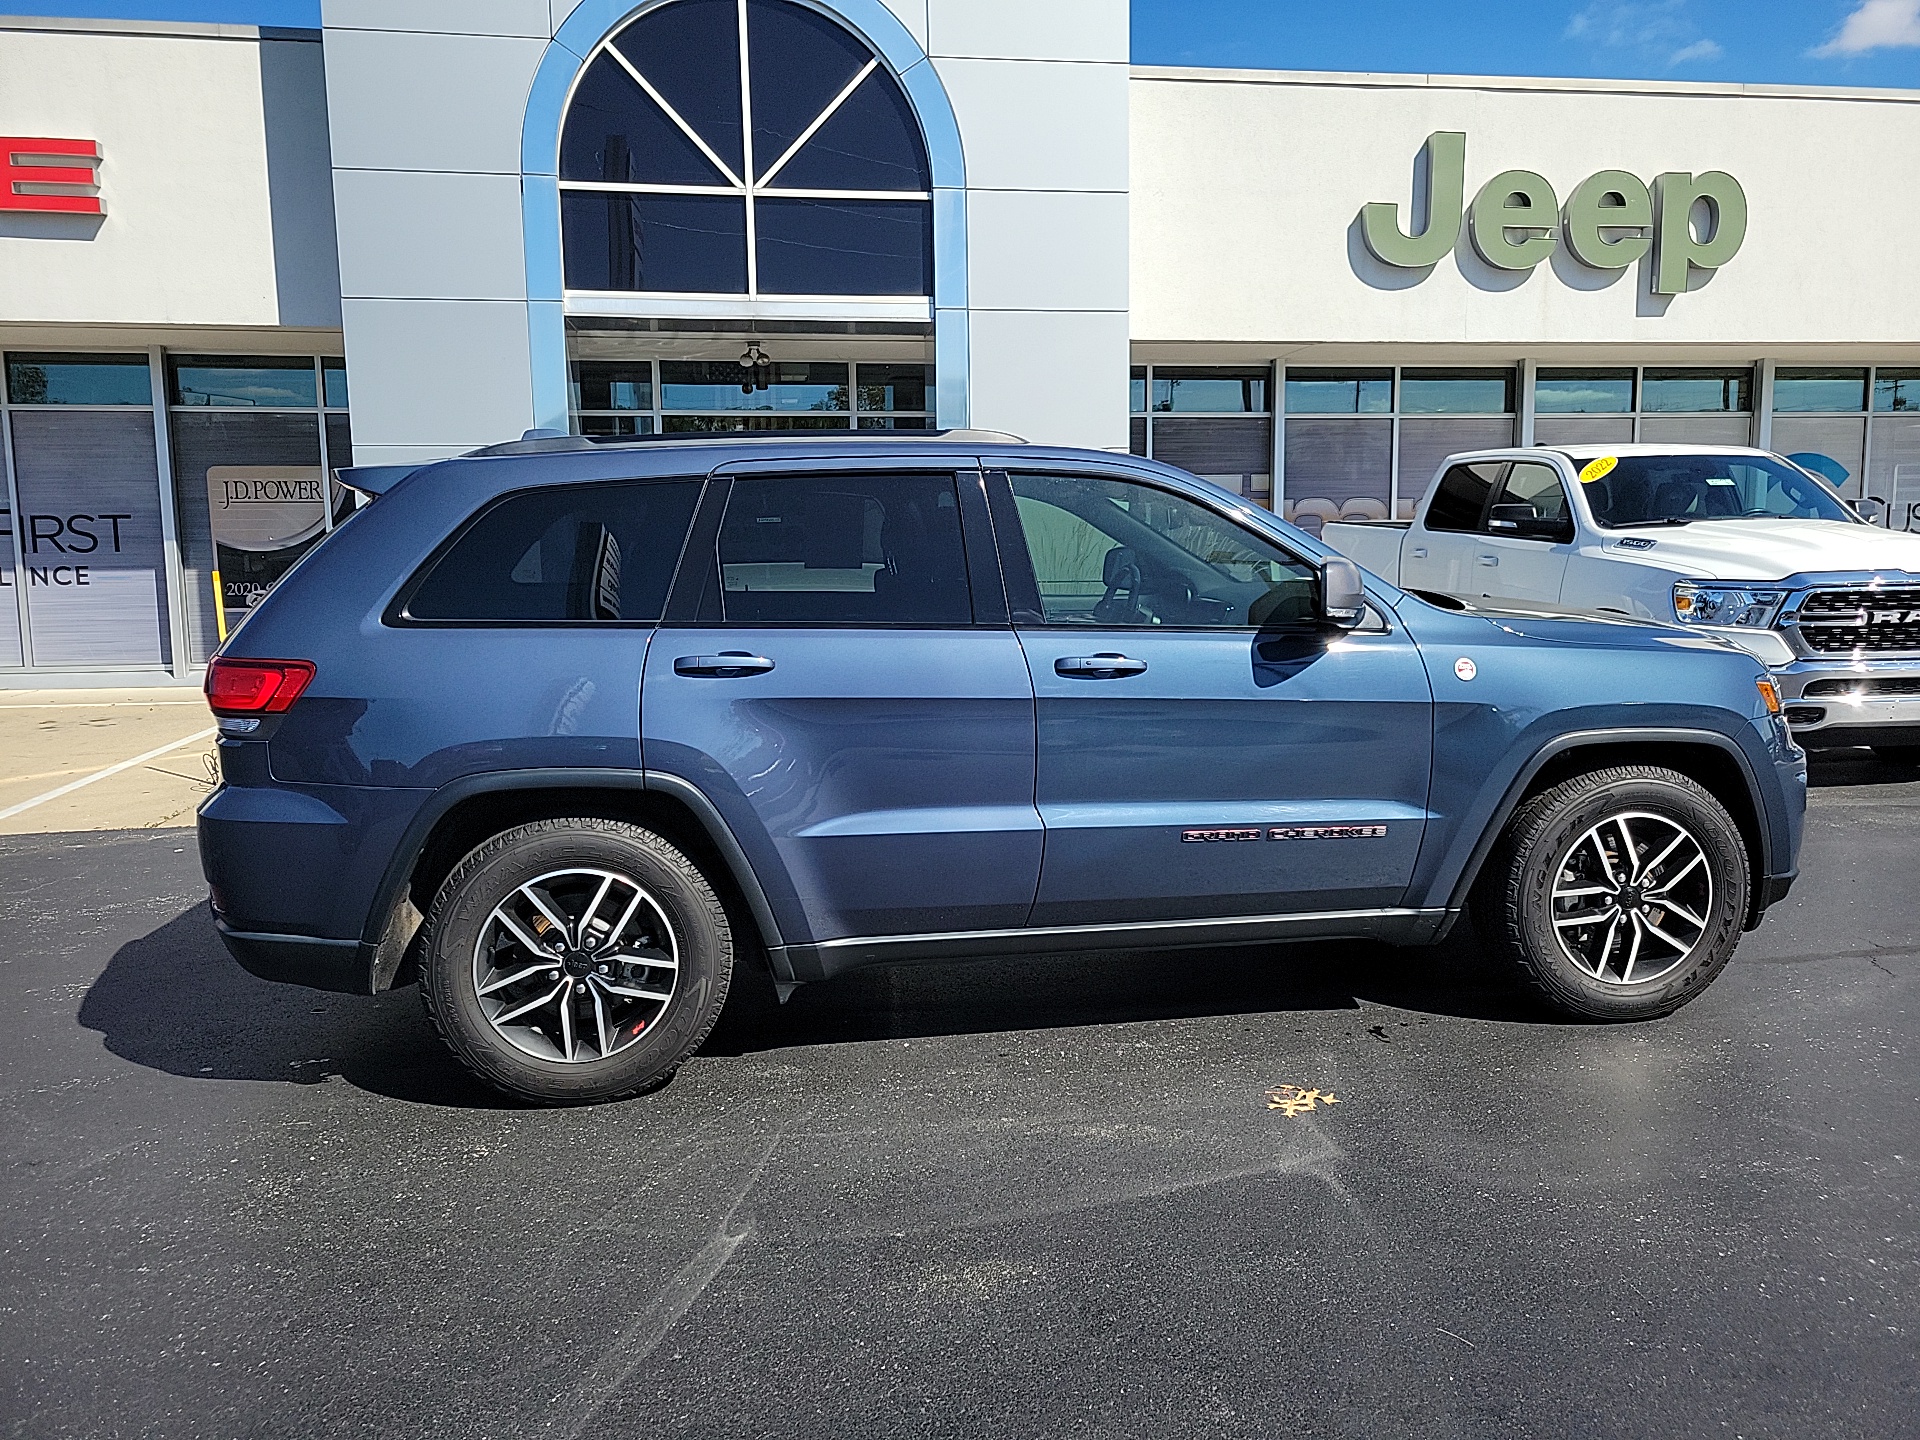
column 713, row 147
column 1680, row 489
column 1110, row 553
column 1539, row 488
column 569, row 554
column 844, row 550
column 1462, row 497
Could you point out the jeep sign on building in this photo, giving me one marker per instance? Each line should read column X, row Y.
column 641, row 216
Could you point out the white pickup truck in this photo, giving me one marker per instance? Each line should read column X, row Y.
column 1737, row 543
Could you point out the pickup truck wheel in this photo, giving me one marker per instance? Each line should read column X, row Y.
column 574, row 961
column 1618, row 894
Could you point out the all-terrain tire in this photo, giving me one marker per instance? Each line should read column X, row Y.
column 1571, row 834
column 464, row 935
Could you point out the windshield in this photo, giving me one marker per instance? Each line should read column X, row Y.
column 1667, row 489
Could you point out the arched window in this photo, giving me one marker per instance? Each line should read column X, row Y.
column 743, row 147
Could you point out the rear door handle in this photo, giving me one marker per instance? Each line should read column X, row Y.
column 1489, row 559
column 1098, row 667
column 1419, row 552
column 730, row 665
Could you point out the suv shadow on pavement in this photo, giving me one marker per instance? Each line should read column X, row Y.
column 174, row 1001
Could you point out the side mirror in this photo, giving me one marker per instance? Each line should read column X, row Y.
column 1343, row 594
column 1523, row 520
column 1870, row 508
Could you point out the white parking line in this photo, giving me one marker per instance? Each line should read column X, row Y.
column 111, row 770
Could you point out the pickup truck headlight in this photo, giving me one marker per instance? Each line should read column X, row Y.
column 1738, row 606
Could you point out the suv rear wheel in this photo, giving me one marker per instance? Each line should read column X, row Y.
column 1618, row 894
column 577, row 960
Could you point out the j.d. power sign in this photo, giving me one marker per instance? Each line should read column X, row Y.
column 1610, row 220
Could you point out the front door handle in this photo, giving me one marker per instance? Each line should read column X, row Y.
column 1419, row 552
column 729, row 665
column 1097, row 667
column 1489, row 559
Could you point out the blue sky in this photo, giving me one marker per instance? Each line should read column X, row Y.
column 1789, row 42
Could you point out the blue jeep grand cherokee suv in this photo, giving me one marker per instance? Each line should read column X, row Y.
column 564, row 730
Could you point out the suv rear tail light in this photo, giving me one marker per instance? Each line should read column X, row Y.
column 256, row 687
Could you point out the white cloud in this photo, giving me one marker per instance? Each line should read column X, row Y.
column 1876, row 25
column 1659, row 31
column 1698, row 50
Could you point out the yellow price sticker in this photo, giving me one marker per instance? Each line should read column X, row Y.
column 1598, row 469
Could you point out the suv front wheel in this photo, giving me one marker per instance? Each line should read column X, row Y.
column 1618, row 894
column 575, row 960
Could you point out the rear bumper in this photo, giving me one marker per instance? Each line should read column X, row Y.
column 308, row 960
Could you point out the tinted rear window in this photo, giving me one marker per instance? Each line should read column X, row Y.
column 845, row 550
column 1462, row 496
column 570, row 553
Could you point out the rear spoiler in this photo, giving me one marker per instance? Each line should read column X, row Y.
column 374, row 481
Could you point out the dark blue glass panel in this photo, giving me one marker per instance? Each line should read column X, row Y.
column 78, row 380
column 801, row 60
column 871, row 143
column 694, row 243
column 245, row 382
column 335, row 372
column 846, row 247
column 615, row 132
column 690, row 52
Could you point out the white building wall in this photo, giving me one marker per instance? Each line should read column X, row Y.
column 428, row 98
column 1041, row 94
column 215, row 178
column 1247, row 185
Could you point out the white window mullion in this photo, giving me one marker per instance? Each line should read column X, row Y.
column 674, row 115
column 746, row 157
column 818, row 120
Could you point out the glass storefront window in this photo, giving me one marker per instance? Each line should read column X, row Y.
column 1583, row 392
column 1209, row 391
column 1896, row 390
column 1339, row 392
column 612, row 385
column 1819, row 390
column 627, row 397
column 785, row 387
column 1137, row 391
column 731, row 424
column 245, row 382
column 78, row 380
column 1697, row 392
column 612, row 426
column 1456, row 392
column 892, row 388
column 333, row 371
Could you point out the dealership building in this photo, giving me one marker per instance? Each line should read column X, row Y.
column 234, row 259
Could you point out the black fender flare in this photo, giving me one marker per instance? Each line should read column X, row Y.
column 1610, row 735
column 383, row 942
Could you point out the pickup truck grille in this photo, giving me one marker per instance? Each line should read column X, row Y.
column 1845, row 621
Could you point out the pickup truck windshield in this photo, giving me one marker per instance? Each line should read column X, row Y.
column 1673, row 489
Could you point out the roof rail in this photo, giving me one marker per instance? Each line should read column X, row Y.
column 542, row 442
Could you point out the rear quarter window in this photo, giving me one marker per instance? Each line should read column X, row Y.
column 567, row 554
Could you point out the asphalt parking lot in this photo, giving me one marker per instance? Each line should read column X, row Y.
column 1063, row 1197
